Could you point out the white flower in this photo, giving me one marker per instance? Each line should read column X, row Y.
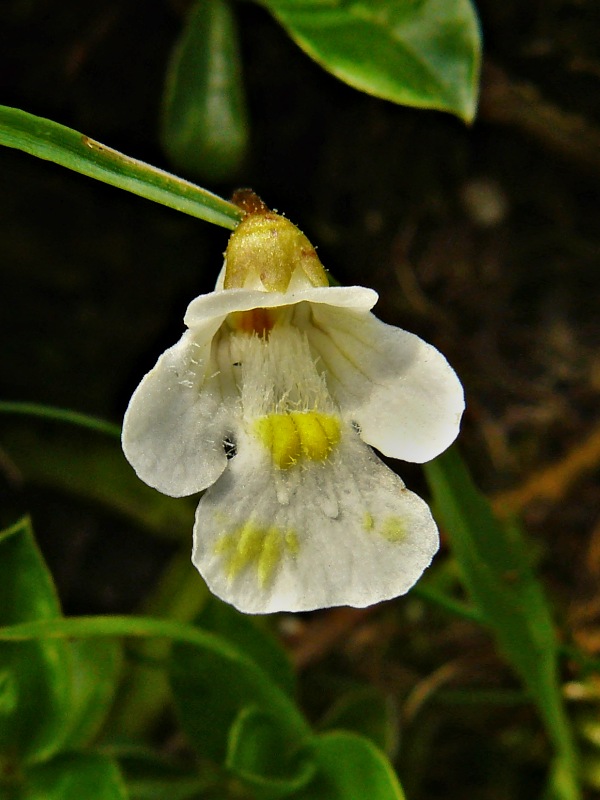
column 269, row 402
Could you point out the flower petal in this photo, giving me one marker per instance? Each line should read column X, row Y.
column 400, row 390
column 178, row 418
column 218, row 304
column 344, row 532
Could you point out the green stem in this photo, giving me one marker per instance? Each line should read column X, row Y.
column 48, row 140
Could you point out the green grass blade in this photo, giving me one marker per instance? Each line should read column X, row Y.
column 60, row 415
column 496, row 571
column 49, row 140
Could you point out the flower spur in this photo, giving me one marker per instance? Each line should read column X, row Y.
column 269, row 402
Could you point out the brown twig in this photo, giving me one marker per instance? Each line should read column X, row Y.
column 552, row 483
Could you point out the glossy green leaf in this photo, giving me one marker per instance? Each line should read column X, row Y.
column 259, row 754
column 247, row 634
column 34, row 676
column 212, row 679
column 425, row 53
column 204, row 124
column 49, row 140
column 368, row 712
column 210, row 692
column 497, row 573
column 76, row 776
column 96, row 668
column 349, row 768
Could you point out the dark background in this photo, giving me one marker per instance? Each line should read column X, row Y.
column 483, row 240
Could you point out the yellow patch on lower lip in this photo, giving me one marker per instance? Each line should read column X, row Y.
column 253, row 545
column 298, row 435
column 394, row 529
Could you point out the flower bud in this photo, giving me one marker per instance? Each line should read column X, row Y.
column 266, row 250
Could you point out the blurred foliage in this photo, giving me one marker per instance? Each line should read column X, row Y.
column 204, row 126
column 484, row 240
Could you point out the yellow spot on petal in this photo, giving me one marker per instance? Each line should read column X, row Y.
column 299, row 435
column 368, row 521
column 292, row 543
column 250, row 541
column 319, row 433
column 331, row 426
column 248, row 546
column 280, row 435
column 393, row 529
column 256, row 547
column 225, row 544
column 270, row 556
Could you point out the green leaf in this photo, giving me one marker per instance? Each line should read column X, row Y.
column 499, row 578
column 368, row 712
column 210, row 692
column 350, row 768
column 145, row 692
column 150, row 775
column 423, row 53
column 215, row 679
column 49, row 140
column 258, row 754
column 34, row 676
column 95, row 673
column 27, row 590
column 76, row 776
column 246, row 634
column 204, row 124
